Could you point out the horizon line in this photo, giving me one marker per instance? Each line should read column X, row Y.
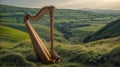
column 61, row 8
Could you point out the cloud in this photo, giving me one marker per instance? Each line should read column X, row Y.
column 69, row 4
column 101, row 4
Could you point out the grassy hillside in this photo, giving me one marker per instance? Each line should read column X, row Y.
column 71, row 27
column 74, row 18
column 91, row 54
column 110, row 30
column 102, row 53
column 10, row 36
column 43, row 31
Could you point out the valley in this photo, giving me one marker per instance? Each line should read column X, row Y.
column 82, row 38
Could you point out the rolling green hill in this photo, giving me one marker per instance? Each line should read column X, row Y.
column 71, row 27
column 10, row 36
column 105, row 52
column 110, row 30
column 40, row 29
column 76, row 19
column 95, row 54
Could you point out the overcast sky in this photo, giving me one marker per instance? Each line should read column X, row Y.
column 66, row 4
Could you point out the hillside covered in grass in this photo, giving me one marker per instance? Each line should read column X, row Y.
column 77, row 21
column 10, row 36
column 100, row 53
column 110, row 30
column 71, row 28
column 21, row 53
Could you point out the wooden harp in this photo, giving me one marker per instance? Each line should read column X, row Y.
column 40, row 49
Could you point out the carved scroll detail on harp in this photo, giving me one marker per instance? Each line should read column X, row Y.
column 41, row 51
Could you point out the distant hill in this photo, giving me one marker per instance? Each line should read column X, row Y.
column 72, row 25
column 110, row 30
column 102, row 11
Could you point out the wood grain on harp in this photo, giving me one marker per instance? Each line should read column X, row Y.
column 41, row 51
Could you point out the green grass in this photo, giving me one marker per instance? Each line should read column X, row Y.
column 110, row 30
column 8, row 19
column 5, row 14
column 18, row 26
column 15, row 59
column 91, row 28
column 16, row 48
column 13, row 35
column 9, row 37
column 97, row 52
column 85, row 55
column 12, row 14
column 6, row 44
column 43, row 31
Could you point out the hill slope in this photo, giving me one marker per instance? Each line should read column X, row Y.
column 68, row 23
column 16, row 48
column 110, row 30
column 13, row 35
column 10, row 36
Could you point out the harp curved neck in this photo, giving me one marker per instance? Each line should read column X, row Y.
column 43, row 11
